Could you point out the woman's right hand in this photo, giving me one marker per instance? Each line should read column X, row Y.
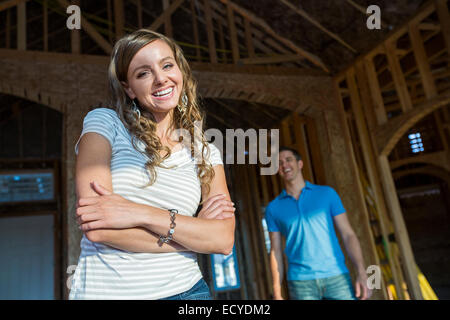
column 217, row 207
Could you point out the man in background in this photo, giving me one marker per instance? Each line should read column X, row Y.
column 305, row 214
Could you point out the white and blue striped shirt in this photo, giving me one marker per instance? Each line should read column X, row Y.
column 104, row 272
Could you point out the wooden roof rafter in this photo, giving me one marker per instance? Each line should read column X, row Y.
column 267, row 29
column 310, row 19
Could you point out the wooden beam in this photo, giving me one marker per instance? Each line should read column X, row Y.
column 167, row 20
column 119, row 19
column 210, row 32
column 363, row 10
column 426, row 75
column 422, row 61
column 249, row 38
column 302, row 145
column 371, row 167
column 195, row 30
column 397, row 75
column 75, row 36
column 139, row 13
column 444, row 19
column 168, row 12
column 401, row 232
column 10, row 3
column 388, row 134
column 224, row 105
column 233, row 34
column 375, row 91
column 223, row 46
column 8, row 29
column 310, row 19
column 45, row 24
column 109, row 12
column 421, row 13
column 90, row 30
column 271, row 59
column 429, row 26
column 289, row 44
column 316, row 157
column 22, row 26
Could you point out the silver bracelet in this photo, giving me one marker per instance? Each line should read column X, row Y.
column 169, row 237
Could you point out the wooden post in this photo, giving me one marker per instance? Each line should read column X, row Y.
column 222, row 42
column 109, row 11
column 119, row 18
column 22, row 26
column 249, row 38
column 426, row 76
column 401, row 233
column 302, row 146
column 210, row 31
column 167, row 20
column 254, row 188
column 317, row 161
column 195, row 31
column 444, row 19
column 139, row 13
column 8, row 29
column 45, row 24
column 397, row 76
column 380, row 112
column 233, row 34
column 75, row 37
column 371, row 167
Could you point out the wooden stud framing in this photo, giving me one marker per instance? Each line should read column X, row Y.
column 8, row 29
column 109, row 12
column 119, row 19
column 426, row 76
column 371, row 167
column 261, row 23
column 22, row 26
column 75, row 36
column 233, row 34
column 398, row 77
column 10, row 3
column 272, row 59
column 249, row 38
column 90, row 30
column 254, row 190
column 167, row 20
column 375, row 91
column 401, row 233
column 139, row 13
column 168, row 12
column 45, row 24
column 210, row 32
column 318, row 25
column 444, row 18
column 316, row 158
column 195, row 30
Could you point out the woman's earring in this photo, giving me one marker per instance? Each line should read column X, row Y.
column 184, row 103
column 136, row 110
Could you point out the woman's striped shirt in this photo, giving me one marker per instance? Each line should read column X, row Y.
column 104, row 272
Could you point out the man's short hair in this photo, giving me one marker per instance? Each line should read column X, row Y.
column 294, row 152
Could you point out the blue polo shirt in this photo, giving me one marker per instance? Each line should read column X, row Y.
column 312, row 247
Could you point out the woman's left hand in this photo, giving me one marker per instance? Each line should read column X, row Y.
column 107, row 211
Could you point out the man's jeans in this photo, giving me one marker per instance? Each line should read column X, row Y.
column 333, row 288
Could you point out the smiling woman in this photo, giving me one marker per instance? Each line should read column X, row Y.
column 138, row 187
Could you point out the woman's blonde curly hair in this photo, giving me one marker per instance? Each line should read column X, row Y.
column 144, row 127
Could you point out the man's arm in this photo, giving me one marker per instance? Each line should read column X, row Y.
column 93, row 163
column 353, row 249
column 276, row 264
